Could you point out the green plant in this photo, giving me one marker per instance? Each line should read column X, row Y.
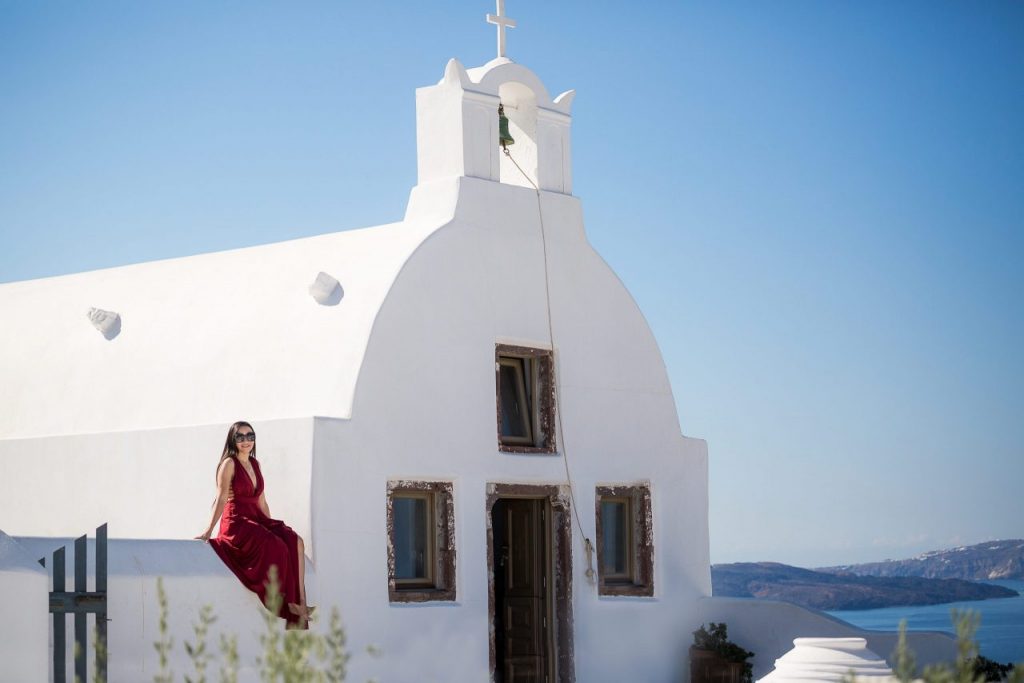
column 229, row 665
column 197, row 651
column 99, row 662
column 903, row 657
column 165, row 643
column 715, row 638
column 337, row 657
column 962, row 671
column 298, row 656
column 969, row 666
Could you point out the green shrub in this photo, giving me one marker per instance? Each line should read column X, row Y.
column 289, row 656
column 716, row 639
column 969, row 666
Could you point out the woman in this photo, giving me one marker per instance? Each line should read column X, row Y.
column 250, row 542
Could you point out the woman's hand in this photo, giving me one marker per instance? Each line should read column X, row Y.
column 205, row 536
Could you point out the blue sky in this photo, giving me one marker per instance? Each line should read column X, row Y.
column 818, row 206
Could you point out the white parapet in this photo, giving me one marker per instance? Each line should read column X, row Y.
column 24, row 585
column 192, row 576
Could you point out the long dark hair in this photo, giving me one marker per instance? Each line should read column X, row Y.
column 230, row 445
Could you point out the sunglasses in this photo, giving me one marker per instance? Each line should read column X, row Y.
column 251, row 436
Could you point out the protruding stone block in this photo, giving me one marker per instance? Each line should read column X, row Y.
column 107, row 322
column 326, row 290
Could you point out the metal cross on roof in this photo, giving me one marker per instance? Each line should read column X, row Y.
column 502, row 22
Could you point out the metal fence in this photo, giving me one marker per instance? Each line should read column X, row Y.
column 79, row 602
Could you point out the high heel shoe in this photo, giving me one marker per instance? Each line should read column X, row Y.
column 303, row 612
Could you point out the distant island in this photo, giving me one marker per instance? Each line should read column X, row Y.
column 984, row 561
column 930, row 579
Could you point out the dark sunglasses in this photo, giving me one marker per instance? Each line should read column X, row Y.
column 251, row 436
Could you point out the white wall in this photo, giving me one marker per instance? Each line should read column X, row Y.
column 149, row 484
column 24, row 614
column 203, row 339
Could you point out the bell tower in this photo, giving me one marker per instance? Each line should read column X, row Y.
column 457, row 126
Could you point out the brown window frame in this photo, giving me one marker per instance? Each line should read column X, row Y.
column 538, row 373
column 439, row 584
column 638, row 581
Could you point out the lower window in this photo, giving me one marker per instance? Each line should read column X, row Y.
column 625, row 547
column 421, row 541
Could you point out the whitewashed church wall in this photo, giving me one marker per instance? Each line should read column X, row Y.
column 153, row 484
column 425, row 409
column 202, row 339
column 627, row 634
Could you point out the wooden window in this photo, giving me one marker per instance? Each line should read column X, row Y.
column 421, row 541
column 625, row 548
column 413, row 516
column 524, row 379
column 616, row 539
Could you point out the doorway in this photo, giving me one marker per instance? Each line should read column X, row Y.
column 529, row 584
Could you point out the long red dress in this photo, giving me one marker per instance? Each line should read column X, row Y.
column 250, row 543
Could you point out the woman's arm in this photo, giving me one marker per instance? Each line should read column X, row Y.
column 224, row 476
column 263, row 504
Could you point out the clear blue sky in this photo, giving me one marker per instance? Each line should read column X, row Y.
column 818, row 205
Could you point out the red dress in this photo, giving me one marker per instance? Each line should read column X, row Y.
column 250, row 543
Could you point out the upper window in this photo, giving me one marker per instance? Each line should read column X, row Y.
column 526, row 399
column 625, row 549
column 421, row 541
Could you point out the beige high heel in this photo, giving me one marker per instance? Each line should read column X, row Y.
column 303, row 612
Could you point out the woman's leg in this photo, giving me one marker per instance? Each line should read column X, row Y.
column 292, row 585
column 301, row 548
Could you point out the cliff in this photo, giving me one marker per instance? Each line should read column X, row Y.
column 984, row 561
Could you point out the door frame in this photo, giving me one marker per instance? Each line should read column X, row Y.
column 560, row 553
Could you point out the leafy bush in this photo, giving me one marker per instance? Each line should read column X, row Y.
column 969, row 666
column 716, row 639
column 295, row 656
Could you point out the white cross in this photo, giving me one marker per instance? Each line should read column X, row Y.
column 502, row 22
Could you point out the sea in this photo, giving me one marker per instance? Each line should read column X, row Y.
column 1000, row 636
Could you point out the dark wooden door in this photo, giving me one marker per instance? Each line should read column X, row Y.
column 520, row 584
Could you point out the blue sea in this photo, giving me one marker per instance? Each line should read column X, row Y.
column 1000, row 636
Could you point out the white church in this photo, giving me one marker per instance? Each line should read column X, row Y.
column 464, row 414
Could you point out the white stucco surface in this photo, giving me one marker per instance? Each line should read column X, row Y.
column 204, row 339
column 147, row 484
column 424, row 409
column 24, row 605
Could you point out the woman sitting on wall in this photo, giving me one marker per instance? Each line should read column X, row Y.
column 250, row 542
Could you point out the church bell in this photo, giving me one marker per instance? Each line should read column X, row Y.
column 504, row 137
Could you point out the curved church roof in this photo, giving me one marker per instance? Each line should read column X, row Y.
column 203, row 339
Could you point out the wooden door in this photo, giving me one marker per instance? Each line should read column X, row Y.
column 520, row 584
